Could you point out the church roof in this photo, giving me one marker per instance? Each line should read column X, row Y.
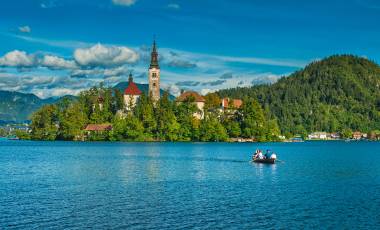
column 195, row 95
column 154, row 57
column 132, row 88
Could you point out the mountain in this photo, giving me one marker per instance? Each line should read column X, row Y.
column 339, row 92
column 143, row 87
column 15, row 106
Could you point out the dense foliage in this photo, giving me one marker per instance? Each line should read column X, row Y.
column 337, row 94
column 165, row 120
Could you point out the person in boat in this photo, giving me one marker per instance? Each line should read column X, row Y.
column 267, row 154
column 260, row 155
column 273, row 156
column 254, row 156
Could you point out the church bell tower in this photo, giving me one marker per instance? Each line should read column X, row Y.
column 154, row 74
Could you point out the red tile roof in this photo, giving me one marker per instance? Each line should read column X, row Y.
column 236, row 103
column 132, row 89
column 195, row 95
column 98, row 127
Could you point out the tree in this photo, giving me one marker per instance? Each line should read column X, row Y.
column 45, row 123
column 72, row 121
column 3, row 133
column 167, row 125
column 144, row 111
column 129, row 128
column 347, row 133
column 189, row 125
column 253, row 120
column 212, row 101
column 212, row 130
column 118, row 101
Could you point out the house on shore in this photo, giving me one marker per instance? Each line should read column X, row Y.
column 195, row 98
column 317, row 136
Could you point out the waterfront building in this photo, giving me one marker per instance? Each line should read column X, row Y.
column 318, row 136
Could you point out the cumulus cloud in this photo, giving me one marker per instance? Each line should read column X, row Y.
column 17, row 58
column 22, row 60
column 25, row 29
column 124, row 2
column 54, row 62
column 105, row 56
column 174, row 6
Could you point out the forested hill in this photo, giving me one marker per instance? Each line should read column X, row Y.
column 18, row 107
column 337, row 93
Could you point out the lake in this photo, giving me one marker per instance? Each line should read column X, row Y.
column 188, row 185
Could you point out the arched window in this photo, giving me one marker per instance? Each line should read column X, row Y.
column 154, row 75
column 154, row 85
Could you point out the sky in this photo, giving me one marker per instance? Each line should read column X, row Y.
column 60, row 47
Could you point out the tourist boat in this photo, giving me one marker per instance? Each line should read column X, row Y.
column 265, row 161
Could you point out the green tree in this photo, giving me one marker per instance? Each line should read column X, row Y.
column 212, row 130
column 45, row 123
column 253, row 120
column 144, row 111
column 347, row 133
column 167, row 125
column 129, row 128
column 72, row 121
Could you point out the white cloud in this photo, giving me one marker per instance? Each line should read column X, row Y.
column 174, row 6
column 124, row 2
column 25, row 29
column 55, row 62
column 17, row 58
column 100, row 55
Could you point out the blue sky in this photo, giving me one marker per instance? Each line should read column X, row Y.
column 58, row 47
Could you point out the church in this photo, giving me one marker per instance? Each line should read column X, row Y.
column 132, row 93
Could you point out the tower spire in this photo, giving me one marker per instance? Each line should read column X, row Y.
column 154, row 55
column 130, row 78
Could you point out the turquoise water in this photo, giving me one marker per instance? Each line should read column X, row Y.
column 188, row 185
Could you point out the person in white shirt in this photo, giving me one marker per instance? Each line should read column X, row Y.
column 273, row 156
column 260, row 155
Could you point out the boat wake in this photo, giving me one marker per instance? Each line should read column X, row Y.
column 204, row 159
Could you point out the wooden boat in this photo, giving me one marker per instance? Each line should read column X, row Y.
column 265, row 161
